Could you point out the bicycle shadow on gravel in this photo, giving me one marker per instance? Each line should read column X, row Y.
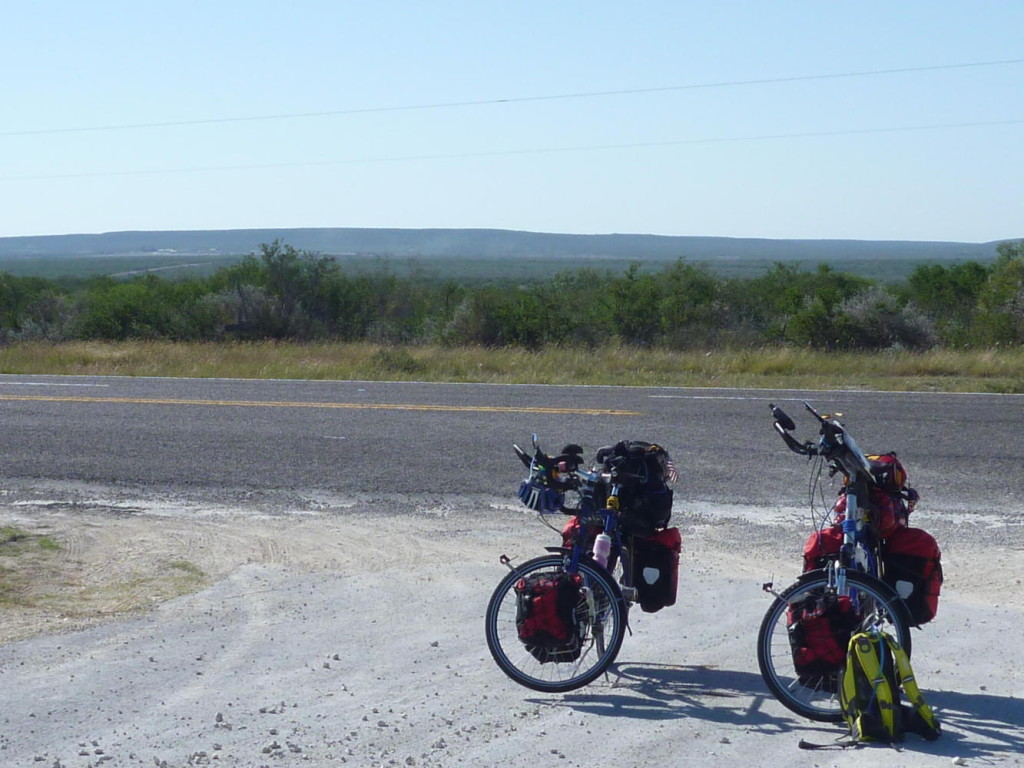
column 974, row 726
column 977, row 725
column 670, row 692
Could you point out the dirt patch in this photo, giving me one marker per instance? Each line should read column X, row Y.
column 69, row 565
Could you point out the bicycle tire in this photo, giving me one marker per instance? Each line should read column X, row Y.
column 818, row 700
column 602, row 615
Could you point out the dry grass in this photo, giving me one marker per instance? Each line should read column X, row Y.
column 39, row 576
column 993, row 370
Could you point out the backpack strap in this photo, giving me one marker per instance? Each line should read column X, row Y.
column 918, row 718
column 837, row 744
column 867, row 651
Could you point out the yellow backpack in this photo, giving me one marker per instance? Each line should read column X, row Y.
column 877, row 669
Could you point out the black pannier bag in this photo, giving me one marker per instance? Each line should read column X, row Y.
column 546, row 616
column 639, row 470
column 656, row 569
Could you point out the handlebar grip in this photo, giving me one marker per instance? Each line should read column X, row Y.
column 782, row 418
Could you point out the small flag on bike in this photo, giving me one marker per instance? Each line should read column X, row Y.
column 671, row 473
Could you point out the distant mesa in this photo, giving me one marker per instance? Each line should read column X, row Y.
column 488, row 244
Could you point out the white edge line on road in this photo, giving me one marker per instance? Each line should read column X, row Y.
column 50, row 384
column 4, row 380
column 794, row 398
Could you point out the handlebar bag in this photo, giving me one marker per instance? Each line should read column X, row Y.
column 546, row 616
column 656, row 569
column 912, row 565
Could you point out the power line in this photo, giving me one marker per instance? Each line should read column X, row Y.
column 516, row 152
column 514, row 100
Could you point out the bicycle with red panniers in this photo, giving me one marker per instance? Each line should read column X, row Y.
column 864, row 568
column 556, row 622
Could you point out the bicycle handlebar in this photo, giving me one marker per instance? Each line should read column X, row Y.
column 784, row 425
column 835, row 443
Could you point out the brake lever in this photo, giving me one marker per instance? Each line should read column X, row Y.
column 817, row 415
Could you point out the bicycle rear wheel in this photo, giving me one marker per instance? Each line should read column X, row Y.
column 816, row 696
column 600, row 617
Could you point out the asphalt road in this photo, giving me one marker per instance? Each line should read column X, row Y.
column 368, row 438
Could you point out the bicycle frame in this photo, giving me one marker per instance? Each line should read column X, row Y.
column 591, row 515
column 839, row 448
column 851, row 571
column 594, row 495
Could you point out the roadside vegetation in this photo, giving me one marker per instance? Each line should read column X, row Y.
column 940, row 370
column 24, row 555
column 284, row 313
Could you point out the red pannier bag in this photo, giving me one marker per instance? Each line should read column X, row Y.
column 888, row 515
column 912, row 565
column 820, row 627
column 572, row 529
column 821, row 545
column 546, row 616
column 656, row 569
column 887, row 511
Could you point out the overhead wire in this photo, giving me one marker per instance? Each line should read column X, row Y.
column 512, row 152
column 515, row 152
column 510, row 100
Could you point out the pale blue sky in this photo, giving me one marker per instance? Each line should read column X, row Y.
column 143, row 115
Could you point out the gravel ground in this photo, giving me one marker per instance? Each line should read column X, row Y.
column 180, row 631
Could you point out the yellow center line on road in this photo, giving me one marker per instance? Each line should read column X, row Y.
column 301, row 404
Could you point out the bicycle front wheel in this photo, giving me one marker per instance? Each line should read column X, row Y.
column 816, row 696
column 600, row 625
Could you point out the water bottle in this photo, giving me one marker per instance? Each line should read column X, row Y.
column 602, row 548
